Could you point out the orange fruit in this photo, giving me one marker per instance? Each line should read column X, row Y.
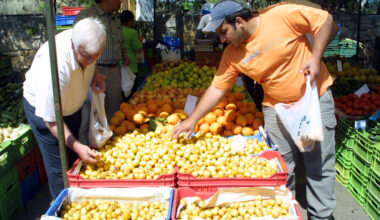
column 163, row 114
column 152, row 107
column 257, row 123
column 196, row 129
column 182, row 114
column 216, row 128
column 201, row 121
column 144, row 128
column 112, row 127
column 138, row 118
column 231, row 106
column 130, row 114
column 114, row 121
column 124, row 107
column 121, row 130
column 231, row 99
column 210, row 118
column 173, row 119
column 250, row 105
column 120, row 115
column 218, row 111
column 230, row 115
column 243, row 110
column 241, row 120
column 167, row 108
column 238, row 96
column 247, row 131
column 167, row 101
column 236, row 129
column 223, row 102
column 229, row 125
column 160, row 103
column 221, row 120
column 249, row 118
column 227, row 133
column 129, row 125
column 142, row 110
column 259, row 115
column 239, row 104
column 204, row 127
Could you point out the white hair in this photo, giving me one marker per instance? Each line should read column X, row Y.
column 90, row 34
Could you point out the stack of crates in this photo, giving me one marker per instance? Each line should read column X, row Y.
column 332, row 48
column 345, row 144
column 66, row 20
column 347, row 49
column 372, row 200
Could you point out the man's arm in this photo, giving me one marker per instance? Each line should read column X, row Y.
column 209, row 99
column 98, row 84
column 321, row 39
column 83, row 151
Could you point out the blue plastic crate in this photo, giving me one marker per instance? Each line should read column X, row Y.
column 29, row 187
column 64, row 20
column 54, row 208
column 172, row 42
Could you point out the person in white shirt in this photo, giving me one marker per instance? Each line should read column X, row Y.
column 77, row 52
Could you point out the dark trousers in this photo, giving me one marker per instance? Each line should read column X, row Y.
column 48, row 145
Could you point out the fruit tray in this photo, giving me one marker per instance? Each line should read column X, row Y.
column 75, row 180
column 164, row 194
column 187, row 192
column 66, row 10
column 212, row 184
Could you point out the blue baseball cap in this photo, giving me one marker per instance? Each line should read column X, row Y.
column 219, row 12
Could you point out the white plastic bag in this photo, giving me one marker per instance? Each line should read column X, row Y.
column 170, row 55
column 303, row 119
column 127, row 80
column 99, row 129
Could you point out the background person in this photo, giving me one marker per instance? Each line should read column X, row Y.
column 77, row 51
column 271, row 47
column 113, row 52
column 133, row 45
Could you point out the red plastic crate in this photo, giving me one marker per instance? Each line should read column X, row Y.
column 26, row 165
column 76, row 180
column 42, row 176
column 66, row 10
column 212, row 184
column 188, row 192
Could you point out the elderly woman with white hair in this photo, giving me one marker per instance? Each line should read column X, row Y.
column 77, row 52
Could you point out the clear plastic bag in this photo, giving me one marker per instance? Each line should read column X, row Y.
column 127, row 80
column 99, row 130
column 303, row 119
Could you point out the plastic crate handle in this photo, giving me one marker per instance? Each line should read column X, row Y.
column 24, row 140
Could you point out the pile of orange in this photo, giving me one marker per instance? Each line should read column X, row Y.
column 130, row 117
column 232, row 116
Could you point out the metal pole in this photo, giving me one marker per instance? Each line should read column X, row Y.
column 358, row 31
column 50, row 23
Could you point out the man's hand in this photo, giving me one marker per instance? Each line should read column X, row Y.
column 186, row 126
column 85, row 153
column 126, row 60
column 98, row 84
column 312, row 67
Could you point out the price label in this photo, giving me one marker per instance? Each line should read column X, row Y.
column 361, row 124
column 191, row 102
column 364, row 89
column 238, row 142
column 239, row 81
column 339, row 65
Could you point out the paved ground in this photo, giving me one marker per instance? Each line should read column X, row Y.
column 347, row 207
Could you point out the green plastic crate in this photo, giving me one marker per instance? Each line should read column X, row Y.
column 372, row 207
column 375, row 167
column 364, row 146
column 342, row 169
column 9, row 182
column 342, row 181
column 359, row 186
column 11, row 206
column 347, row 52
column 6, row 157
column 360, row 167
column 374, row 186
column 24, row 143
column 346, row 154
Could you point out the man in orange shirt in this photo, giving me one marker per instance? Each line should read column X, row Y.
column 271, row 47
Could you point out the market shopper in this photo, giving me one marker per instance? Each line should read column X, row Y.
column 271, row 47
column 133, row 45
column 77, row 51
column 113, row 52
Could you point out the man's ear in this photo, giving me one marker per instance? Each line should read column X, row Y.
column 239, row 22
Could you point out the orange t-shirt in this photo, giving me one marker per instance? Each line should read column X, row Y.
column 275, row 53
